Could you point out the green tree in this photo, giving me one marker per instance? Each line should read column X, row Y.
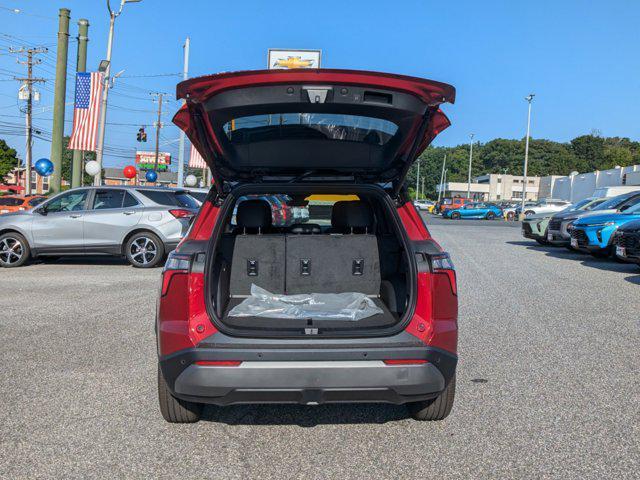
column 8, row 159
column 546, row 157
column 67, row 163
column 590, row 150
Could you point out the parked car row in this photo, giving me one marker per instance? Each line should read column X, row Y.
column 18, row 203
column 602, row 226
column 139, row 223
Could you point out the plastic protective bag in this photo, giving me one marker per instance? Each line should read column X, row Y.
column 317, row 306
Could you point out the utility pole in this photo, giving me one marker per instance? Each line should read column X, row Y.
column 418, row 181
column 529, row 99
column 159, row 96
column 81, row 66
column 105, row 67
column 29, row 81
column 185, row 75
column 423, row 187
column 445, row 180
column 470, row 160
column 444, row 163
column 57, row 135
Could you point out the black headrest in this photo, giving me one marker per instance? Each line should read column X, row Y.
column 253, row 214
column 305, row 228
column 352, row 214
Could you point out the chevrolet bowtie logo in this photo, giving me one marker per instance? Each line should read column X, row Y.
column 293, row 62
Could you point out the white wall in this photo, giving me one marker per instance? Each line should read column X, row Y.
column 584, row 184
column 562, row 188
column 633, row 178
column 610, row 178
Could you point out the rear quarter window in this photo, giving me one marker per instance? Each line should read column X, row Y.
column 170, row 198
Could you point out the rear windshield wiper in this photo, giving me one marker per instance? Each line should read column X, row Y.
column 302, row 176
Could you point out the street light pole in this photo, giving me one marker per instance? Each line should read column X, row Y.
column 529, row 99
column 105, row 86
column 470, row 160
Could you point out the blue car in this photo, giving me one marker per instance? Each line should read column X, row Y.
column 474, row 210
column 594, row 234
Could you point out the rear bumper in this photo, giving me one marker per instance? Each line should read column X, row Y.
column 309, row 382
column 274, row 371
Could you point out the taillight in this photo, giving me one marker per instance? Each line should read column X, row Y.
column 176, row 264
column 181, row 213
column 441, row 263
column 405, row 361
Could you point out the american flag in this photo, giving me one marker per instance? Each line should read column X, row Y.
column 196, row 160
column 86, row 109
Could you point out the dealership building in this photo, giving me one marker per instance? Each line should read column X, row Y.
column 577, row 186
column 493, row 187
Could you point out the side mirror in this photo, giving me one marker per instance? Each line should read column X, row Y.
column 42, row 210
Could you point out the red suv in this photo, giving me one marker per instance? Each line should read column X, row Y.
column 355, row 304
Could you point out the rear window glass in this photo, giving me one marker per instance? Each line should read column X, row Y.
column 200, row 196
column 329, row 126
column 170, row 199
column 285, row 212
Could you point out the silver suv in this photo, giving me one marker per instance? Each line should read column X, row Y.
column 139, row 223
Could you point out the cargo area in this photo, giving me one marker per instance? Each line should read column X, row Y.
column 305, row 243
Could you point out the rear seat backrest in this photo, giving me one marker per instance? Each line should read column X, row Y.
column 339, row 262
column 258, row 257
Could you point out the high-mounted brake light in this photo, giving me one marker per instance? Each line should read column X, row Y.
column 181, row 213
column 441, row 263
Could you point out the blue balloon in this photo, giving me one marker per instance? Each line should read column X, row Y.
column 44, row 167
column 151, row 176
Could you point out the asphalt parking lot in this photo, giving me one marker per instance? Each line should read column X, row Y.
column 548, row 383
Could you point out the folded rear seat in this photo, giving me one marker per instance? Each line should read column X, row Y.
column 308, row 262
column 344, row 261
column 258, row 256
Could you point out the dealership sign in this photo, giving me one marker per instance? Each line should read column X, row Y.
column 287, row 59
column 147, row 160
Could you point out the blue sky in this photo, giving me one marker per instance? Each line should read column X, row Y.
column 579, row 57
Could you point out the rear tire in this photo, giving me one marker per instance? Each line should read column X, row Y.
column 174, row 410
column 491, row 216
column 542, row 242
column 455, row 216
column 14, row 250
column 436, row 409
column 144, row 250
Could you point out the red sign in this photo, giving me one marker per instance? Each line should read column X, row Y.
column 149, row 158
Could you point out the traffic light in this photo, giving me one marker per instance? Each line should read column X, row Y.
column 142, row 135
